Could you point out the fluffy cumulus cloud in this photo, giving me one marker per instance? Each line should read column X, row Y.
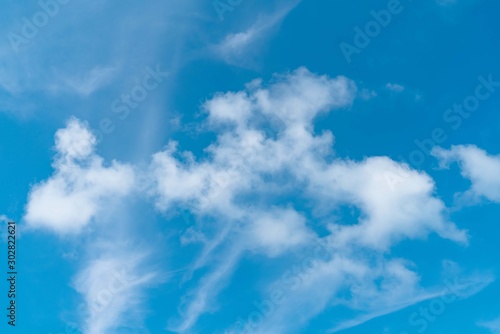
column 266, row 164
column 392, row 209
column 81, row 190
column 241, row 156
column 81, row 185
column 476, row 165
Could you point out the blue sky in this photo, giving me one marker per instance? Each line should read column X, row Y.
column 256, row 167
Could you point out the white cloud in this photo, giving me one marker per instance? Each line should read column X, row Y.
column 75, row 142
column 390, row 214
column 248, row 170
column 243, row 47
column 482, row 169
column 395, row 87
column 248, row 183
column 241, row 154
column 266, row 158
column 278, row 230
column 238, row 161
column 81, row 185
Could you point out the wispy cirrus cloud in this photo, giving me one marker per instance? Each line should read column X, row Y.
column 113, row 289
column 242, row 48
